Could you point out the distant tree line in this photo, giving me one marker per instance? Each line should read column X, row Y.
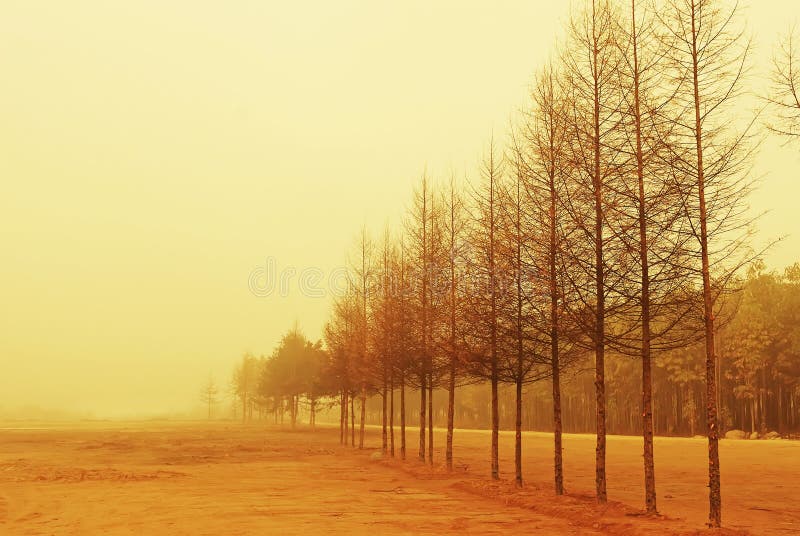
column 592, row 276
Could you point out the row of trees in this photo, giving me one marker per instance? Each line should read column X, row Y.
column 758, row 369
column 612, row 221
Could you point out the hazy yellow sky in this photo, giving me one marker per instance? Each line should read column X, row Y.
column 153, row 153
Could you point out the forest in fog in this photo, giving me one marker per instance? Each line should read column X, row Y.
column 597, row 274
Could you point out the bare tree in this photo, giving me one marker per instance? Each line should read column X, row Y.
column 382, row 322
column 637, row 70
column 650, row 222
column 481, row 341
column 524, row 348
column 385, row 336
column 341, row 339
column 708, row 52
column 785, row 95
column 208, row 395
column 422, row 249
column 545, row 157
column 405, row 354
column 454, row 228
column 361, row 280
column 591, row 61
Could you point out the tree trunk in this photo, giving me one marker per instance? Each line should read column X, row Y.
column 346, row 417
column 341, row 418
column 423, row 392
column 518, row 435
column 391, row 413
column 384, row 431
column 402, row 416
column 495, row 426
column 451, row 402
column 430, row 419
column 352, row 421
column 599, row 375
column 647, row 425
column 558, row 464
column 363, row 417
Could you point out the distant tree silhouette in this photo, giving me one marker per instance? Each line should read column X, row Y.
column 208, row 395
column 245, row 381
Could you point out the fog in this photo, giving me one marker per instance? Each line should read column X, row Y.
column 157, row 160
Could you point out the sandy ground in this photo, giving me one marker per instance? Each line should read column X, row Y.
column 224, row 478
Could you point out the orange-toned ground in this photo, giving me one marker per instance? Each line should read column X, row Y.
column 225, row 478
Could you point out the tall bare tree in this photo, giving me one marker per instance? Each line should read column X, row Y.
column 708, row 52
column 363, row 283
column 545, row 133
column 591, row 61
column 524, row 348
column 382, row 333
column 638, row 69
column 649, row 220
column 453, row 229
column 341, row 341
column 419, row 232
column 482, row 342
column 405, row 352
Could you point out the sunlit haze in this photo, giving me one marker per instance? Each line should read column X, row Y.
column 153, row 154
